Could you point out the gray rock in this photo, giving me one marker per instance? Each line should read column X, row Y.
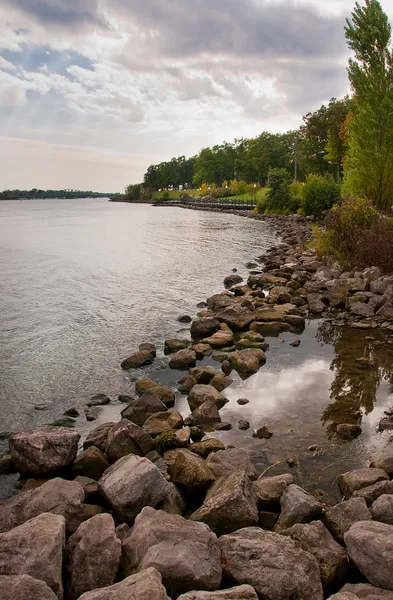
column 236, row 316
column 24, row 587
column 98, row 436
column 270, row 489
column 370, row 547
column 92, row 463
column 386, row 311
column 205, row 393
column 174, row 345
column 142, row 408
column 145, row 585
column 247, row 362
column 206, row 447
column 92, row 413
column 338, row 519
column 127, row 438
column 162, row 391
column 382, row 509
column 132, row 483
column 359, row 478
column 271, row 563
column 230, row 504
column 383, row 462
column 297, row 506
column 372, row 492
column 331, row 557
column 162, row 422
column 190, row 470
column 365, row 591
column 206, row 414
column 35, row 548
column 183, row 359
column 137, row 360
column 56, row 496
column 92, row 556
column 372, row 274
column 186, row 553
column 225, row 462
column 344, row 596
column 43, row 450
column 240, row 592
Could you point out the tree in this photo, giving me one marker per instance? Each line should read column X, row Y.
column 369, row 164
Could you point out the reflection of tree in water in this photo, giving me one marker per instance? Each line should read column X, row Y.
column 353, row 389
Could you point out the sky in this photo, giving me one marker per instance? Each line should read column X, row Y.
column 94, row 91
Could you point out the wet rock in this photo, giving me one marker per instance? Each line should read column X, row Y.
column 223, row 426
column 203, row 375
column 372, row 492
column 341, row 517
column 205, row 414
column 162, row 422
column 147, row 346
column 243, row 425
column 221, row 382
column 144, row 585
column 231, row 280
column 247, row 362
column 219, row 301
column 174, row 503
column 220, row 339
column 331, row 557
column 347, row 431
column 72, row 412
column 270, row 489
column 370, row 547
column 190, row 470
column 366, row 592
column 263, row 433
column 271, row 563
column 202, row 350
column 186, row 384
column 385, row 424
column 297, row 506
column 242, row 401
column 98, row 436
column 43, row 450
column 63, row 421
column 97, row 400
column 142, row 408
column 295, row 343
column 359, row 478
column 56, row 496
column 383, row 462
column 206, row 447
column 241, row 592
column 92, row 412
column 92, row 463
column 165, row 393
column 174, row 345
column 132, row 483
column 203, row 328
column 93, row 555
column 137, row 360
column 127, row 438
column 20, row 587
column 183, row 359
column 225, row 462
column 237, row 317
column 184, row 319
column 197, row 434
column 205, row 393
column 36, row 547
column 382, row 509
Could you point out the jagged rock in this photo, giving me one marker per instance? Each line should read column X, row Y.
column 270, row 489
column 145, row 585
column 203, row 328
column 205, row 393
column 97, row 400
column 137, row 360
column 162, row 422
column 240, row 592
column 90, row 487
column 206, row 414
column 35, row 548
column 331, row 557
column 230, row 504
column 174, row 503
column 341, row 517
column 365, row 591
column 190, row 470
column 383, row 462
column 247, row 362
column 98, row 436
column 343, row 596
column 162, row 391
column 92, row 463
column 225, row 462
column 297, row 506
column 220, row 301
column 56, row 496
column 372, row 492
column 92, row 556
column 132, row 483
column 359, row 478
column 220, row 339
column 271, row 563
column 206, row 447
column 372, row 274
column 142, row 408
column 370, row 547
column 21, row 587
column 127, row 438
column 382, row 509
column 386, row 311
column 186, row 553
column 183, row 359
column 43, row 450
column 236, row 316
column 185, row 384
column 174, row 345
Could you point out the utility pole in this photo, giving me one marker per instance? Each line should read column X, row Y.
column 295, row 157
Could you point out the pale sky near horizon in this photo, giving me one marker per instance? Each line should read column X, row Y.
column 94, row 91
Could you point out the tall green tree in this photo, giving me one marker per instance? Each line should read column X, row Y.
column 369, row 165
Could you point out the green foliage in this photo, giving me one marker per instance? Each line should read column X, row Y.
column 369, row 164
column 134, row 192
column 166, row 194
column 319, row 194
column 279, row 197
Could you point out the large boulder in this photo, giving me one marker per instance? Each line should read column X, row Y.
column 92, row 556
column 331, row 557
column 271, row 563
column 186, row 553
column 383, row 462
column 365, row 591
column 206, row 447
column 204, row 374
column 220, row 301
column 240, row 592
column 127, row 438
column 206, row 414
column 24, row 587
column 203, row 328
column 162, row 391
column 220, row 339
column 297, row 506
column 162, row 422
column 360, row 478
column 190, row 470
column 146, row 585
column 56, row 496
column 142, row 408
column 35, row 548
column 370, row 547
column 92, row 463
column 230, row 504
column 231, row 280
column 372, row 492
column 338, row 519
column 205, row 393
column 270, row 489
column 97, row 437
column 236, row 316
column 248, row 361
column 225, row 462
column 183, row 359
column 174, row 503
column 382, row 509
column 132, row 483
column 43, row 450
column 137, row 360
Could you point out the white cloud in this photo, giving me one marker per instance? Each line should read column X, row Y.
column 6, row 65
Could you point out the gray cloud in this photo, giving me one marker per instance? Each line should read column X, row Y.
column 64, row 13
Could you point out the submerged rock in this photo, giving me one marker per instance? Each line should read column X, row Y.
column 137, row 360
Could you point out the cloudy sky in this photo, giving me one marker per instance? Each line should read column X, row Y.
column 93, row 91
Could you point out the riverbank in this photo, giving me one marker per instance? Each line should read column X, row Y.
column 154, row 468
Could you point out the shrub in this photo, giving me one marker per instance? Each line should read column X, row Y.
column 133, row 192
column 279, row 196
column 320, row 193
column 165, row 194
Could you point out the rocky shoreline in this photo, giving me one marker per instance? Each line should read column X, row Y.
column 152, row 509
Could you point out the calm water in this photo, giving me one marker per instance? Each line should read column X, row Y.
column 84, row 282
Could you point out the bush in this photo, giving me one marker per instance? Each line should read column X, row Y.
column 319, row 194
column 278, row 199
column 166, row 194
column 357, row 235
column 133, row 192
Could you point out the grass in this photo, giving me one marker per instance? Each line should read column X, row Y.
column 175, row 194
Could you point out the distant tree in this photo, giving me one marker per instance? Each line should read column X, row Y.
column 133, row 192
column 369, row 164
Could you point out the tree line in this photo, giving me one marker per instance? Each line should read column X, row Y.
column 43, row 194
